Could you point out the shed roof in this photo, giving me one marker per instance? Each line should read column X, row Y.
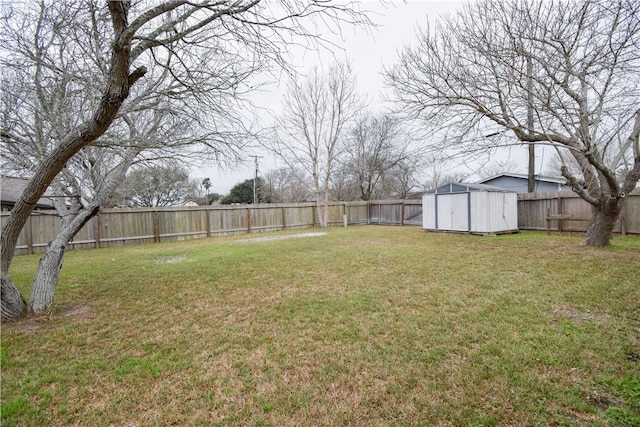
column 463, row 187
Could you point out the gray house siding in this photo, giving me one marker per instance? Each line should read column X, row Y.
column 520, row 184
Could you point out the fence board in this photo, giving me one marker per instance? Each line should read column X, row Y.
column 632, row 214
column 298, row 216
column 357, row 212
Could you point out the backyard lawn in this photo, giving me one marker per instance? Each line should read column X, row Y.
column 367, row 325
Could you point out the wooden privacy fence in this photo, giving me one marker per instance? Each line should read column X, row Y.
column 534, row 208
column 117, row 227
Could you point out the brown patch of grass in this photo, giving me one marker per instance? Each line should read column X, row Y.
column 35, row 323
column 78, row 311
column 573, row 314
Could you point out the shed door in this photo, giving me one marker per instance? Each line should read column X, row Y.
column 453, row 212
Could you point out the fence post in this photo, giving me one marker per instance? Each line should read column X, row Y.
column 207, row 221
column 248, row 220
column 345, row 215
column 402, row 213
column 560, row 212
column 30, row 235
column 623, row 218
column 156, row 226
column 96, row 230
column 284, row 218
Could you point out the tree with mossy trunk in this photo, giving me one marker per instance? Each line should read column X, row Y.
column 563, row 74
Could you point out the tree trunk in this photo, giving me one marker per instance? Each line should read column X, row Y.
column 320, row 211
column 325, row 219
column 13, row 304
column 44, row 285
column 73, row 220
column 120, row 82
column 604, row 220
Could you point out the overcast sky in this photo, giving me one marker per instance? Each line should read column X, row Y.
column 368, row 52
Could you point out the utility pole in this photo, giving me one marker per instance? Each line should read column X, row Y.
column 532, row 147
column 255, row 179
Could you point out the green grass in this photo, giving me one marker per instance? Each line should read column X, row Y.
column 363, row 326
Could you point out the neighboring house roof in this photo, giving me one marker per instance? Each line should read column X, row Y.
column 11, row 189
column 539, row 178
column 464, row 187
column 520, row 182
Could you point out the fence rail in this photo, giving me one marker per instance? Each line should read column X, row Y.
column 117, row 227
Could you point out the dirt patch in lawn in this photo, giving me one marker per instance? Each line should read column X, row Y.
column 171, row 259
column 574, row 314
column 281, row 237
column 30, row 324
column 78, row 311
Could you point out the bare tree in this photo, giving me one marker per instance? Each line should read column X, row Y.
column 375, row 146
column 565, row 74
column 287, row 185
column 148, row 126
column 317, row 111
column 556, row 162
column 401, row 180
column 343, row 185
column 496, row 167
column 248, row 33
column 440, row 173
column 87, row 184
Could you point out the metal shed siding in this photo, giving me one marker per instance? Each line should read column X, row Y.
column 429, row 211
column 493, row 212
column 480, row 212
column 470, row 208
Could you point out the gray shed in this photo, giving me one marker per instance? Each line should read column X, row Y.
column 472, row 208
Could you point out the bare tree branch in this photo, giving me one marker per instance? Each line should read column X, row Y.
column 565, row 74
